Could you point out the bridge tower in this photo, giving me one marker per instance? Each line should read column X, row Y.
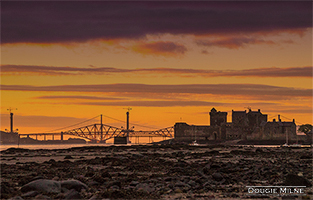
column 127, row 124
column 11, row 119
column 101, row 128
column 124, row 139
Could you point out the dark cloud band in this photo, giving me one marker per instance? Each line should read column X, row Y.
column 80, row 21
column 215, row 89
column 304, row 72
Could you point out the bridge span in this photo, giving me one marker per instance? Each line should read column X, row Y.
column 100, row 132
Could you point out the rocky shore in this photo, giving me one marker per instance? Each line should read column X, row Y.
column 153, row 172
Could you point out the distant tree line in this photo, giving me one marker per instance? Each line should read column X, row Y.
column 305, row 128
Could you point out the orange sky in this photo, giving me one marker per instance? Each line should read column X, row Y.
column 165, row 73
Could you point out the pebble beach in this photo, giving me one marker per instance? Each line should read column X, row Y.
column 176, row 171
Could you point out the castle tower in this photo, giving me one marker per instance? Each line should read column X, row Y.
column 217, row 118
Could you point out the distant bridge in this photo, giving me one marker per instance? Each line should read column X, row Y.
column 103, row 132
column 100, row 132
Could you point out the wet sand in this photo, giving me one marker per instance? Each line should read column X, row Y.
column 155, row 172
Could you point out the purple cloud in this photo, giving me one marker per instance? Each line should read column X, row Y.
column 80, row 97
column 304, row 72
column 80, row 21
column 215, row 89
column 233, row 42
column 160, row 48
column 153, row 103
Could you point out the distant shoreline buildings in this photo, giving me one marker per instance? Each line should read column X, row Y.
column 251, row 125
column 246, row 125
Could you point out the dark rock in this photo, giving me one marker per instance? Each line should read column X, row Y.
column 51, row 161
column 192, row 183
column 23, row 180
column 72, row 194
column 259, row 150
column 217, row 176
column 134, row 183
column 215, row 166
column 306, row 157
column 206, row 169
column 294, row 180
column 42, row 185
column 42, row 197
column 95, row 161
column 167, row 179
column 37, row 178
column 106, row 174
column 92, row 183
column 201, row 174
column 181, row 184
column 235, row 152
column 95, row 197
column 98, row 178
column 111, row 183
column 144, row 187
column 73, row 184
column 114, row 194
column 234, row 195
column 14, row 150
column 5, row 190
column 16, row 198
column 90, row 172
column 288, row 197
column 114, row 187
column 30, row 194
column 68, row 157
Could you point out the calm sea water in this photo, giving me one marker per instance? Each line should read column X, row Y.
column 52, row 146
column 134, row 141
column 67, row 146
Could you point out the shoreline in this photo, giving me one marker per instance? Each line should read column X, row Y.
column 153, row 171
column 169, row 141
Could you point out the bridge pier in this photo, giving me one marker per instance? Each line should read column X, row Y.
column 120, row 140
column 150, row 139
column 136, row 139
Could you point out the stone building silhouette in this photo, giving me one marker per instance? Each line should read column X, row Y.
column 245, row 125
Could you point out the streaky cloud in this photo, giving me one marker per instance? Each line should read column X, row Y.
column 233, row 42
column 215, row 89
column 304, row 72
column 80, row 97
column 153, row 103
column 160, row 48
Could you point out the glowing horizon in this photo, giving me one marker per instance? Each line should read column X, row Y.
column 169, row 61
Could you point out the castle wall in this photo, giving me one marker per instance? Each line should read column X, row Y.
column 239, row 119
column 234, row 133
column 278, row 131
column 183, row 131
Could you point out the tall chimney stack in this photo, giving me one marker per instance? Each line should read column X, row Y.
column 11, row 122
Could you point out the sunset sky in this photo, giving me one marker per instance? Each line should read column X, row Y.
column 64, row 62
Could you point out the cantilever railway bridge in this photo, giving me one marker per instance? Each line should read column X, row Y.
column 100, row 132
